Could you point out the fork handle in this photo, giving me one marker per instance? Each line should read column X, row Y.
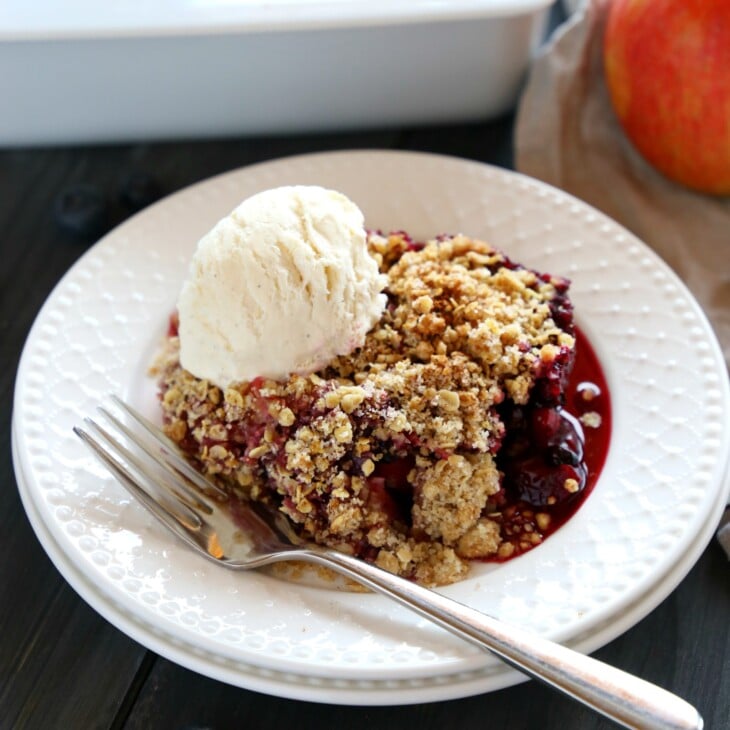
column 626, row 699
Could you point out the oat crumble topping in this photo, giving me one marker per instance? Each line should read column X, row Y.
column 390, row 453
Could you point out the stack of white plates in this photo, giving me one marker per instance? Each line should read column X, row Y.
column 646, row 522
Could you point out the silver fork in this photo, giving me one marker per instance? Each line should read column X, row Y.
column 155, row 472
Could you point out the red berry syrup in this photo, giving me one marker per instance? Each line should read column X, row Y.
column 552, row 456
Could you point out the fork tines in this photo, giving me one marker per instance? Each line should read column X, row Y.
column 152, row 470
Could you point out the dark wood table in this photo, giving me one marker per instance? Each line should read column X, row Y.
column 63, row 666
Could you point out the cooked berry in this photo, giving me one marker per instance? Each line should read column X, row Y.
column 546, row 425
column 563, row 454
column 542, row 485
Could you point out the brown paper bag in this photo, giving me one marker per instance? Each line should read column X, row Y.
column 567, row 135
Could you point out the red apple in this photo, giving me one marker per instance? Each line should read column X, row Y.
column 667, row 67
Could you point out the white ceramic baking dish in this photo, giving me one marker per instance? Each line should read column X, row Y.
column 84, row 71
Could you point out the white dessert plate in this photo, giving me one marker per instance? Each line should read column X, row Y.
column 346, row 691
column 636, row 536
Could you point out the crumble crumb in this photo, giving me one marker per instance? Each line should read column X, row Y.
column 591, row 419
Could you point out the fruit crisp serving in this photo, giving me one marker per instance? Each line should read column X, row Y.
column 439, row 441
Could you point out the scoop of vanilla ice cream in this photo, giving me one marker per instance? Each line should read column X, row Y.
column 280, row 286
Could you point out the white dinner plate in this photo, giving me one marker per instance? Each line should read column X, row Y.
column 348, row 691
column 637, row 534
